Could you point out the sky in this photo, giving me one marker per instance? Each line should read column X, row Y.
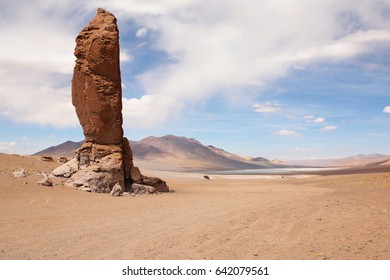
column 299, row 79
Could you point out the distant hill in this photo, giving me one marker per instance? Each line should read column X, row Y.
column 173, row 153
column 191, row 153
column 66, row 149
column 357, row 160
column 260, row 159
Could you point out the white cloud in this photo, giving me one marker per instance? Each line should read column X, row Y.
column 285, row 132
column 386, row 110
column 304, row 150
column 267, row 107
column 136, row 111
column 214, row 46
column 309, row 117
column 6, row 146
column 329, row 128
column 36, row 62
column 231, row 44
column 141, row 33
column 125, row 56
column 317, row 120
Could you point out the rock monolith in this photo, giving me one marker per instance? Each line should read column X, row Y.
column 105, row 161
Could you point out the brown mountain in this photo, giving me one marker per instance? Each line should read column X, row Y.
column 172, row 153
column 190, row 154
column 66, row 149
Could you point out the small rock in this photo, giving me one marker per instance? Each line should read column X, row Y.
column 255, row 254
column 206, row 177
column 46, row 158
column 85, row 189
column 116, row 190
column 63, row 160
column 45, row 181
column 19, row 174
column 142, row 189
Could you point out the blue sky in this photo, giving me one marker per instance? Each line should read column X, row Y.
column 288, row 80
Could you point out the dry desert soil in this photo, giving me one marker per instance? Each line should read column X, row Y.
column 228, row 217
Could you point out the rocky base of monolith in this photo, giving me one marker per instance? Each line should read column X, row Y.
column 107, row 169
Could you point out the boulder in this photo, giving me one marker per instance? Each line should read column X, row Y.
column 19, row 173
column 63, row 160
column 45, row 181
column 116, row 190
column 66, row 170
column 142, row 189
column 101, row 176
column 157, row 183
column 47, row 158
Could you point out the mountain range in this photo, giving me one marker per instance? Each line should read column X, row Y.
column 174, row 153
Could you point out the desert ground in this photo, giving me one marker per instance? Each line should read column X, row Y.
column 342, row 216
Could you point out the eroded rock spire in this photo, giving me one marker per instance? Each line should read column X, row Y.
column 104, row 163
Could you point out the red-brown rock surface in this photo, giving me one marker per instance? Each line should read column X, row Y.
column 104, row 163
column 96, row 84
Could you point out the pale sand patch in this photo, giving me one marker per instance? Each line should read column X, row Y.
column 315, row 217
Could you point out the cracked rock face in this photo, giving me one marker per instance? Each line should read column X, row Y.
column 96, row 84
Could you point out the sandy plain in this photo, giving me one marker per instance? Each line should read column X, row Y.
column 343, row 216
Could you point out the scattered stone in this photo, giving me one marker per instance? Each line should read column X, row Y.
column 45, row 181
column 142, row 189
column 85, row 189
column 116, row 190
column 19, row 173
column 206, row 177
column 157, row 183
column 63, row 160
column 47, row 158
column 66, row 170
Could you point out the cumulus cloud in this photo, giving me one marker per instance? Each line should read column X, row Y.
column 212, row 46
column 6, row 146
column 267, row 107
column 36, row 62
column 386, row 110
column 329, row 128
column 141, row 33
column 285, row 132
column 219, row 45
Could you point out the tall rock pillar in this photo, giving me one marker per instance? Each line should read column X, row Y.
column 96, row 84
column 104, row 163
